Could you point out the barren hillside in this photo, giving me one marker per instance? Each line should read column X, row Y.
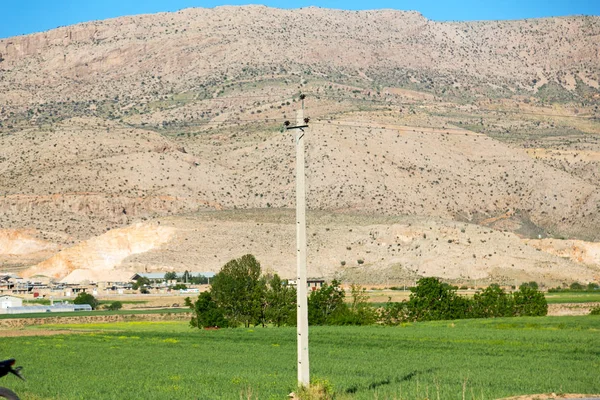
column 198, row 47
column 494, row 124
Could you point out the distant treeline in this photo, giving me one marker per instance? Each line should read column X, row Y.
column 577, row 287
column 242, row 296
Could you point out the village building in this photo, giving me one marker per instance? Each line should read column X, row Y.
column 7, row 302
column 311, row 283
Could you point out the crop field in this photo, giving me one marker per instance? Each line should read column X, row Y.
column 471, row 359
column 572, row 297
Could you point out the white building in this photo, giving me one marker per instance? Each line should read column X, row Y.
column 9, row 302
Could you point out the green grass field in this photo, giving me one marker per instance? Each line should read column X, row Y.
column 572, row 297
column 168, row 360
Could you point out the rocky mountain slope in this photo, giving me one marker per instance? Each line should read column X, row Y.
column 194, row 47
column 136, row 119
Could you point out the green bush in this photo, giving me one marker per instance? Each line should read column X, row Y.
column 86, row 298
column 179, row 286
column 595, row 310
column 140, row 282
column 280, row 302
column 359, row 312
column 433, row 300
column 115, row 305
column 206, row 312
column 326, row 304
column 493, row 302
column 530, row 302
column 393, row 313
column 531, row 285
column 576, row 286
column 319, row 389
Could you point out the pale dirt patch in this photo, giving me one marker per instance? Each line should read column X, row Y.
column 571, row 308
column 37, row 332
column 17, row 323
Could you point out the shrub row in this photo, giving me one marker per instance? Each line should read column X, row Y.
column 433, row 300
column 241, row 295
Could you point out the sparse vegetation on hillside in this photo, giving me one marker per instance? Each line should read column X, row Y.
column 476, row 130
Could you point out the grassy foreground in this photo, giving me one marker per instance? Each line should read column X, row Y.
column 484, row 359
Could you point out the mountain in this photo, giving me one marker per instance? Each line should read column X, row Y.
column 135, row 120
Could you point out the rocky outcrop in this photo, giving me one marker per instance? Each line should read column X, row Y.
column 98, row 259
column 111, row 207
column 576, row 250
column 20, row 247
column 20, row 242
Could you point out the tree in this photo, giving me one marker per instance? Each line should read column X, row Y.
column 360, row 307
column 493, row 302
column 206, row 312
column 393, row 313
column 86, row 298
column 259, row 303
column 530, row 302
column 433, row 300
column 170, row 276
column 532, row 285
column 198, row 280
column 325, row 302
column 236, row 290
column 359, row 312
column 140, row 282
column 280, row 302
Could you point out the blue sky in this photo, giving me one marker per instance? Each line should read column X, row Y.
column 27, row 16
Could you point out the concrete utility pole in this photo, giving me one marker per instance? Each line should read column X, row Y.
column 301, row 284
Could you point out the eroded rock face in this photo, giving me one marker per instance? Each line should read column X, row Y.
column 102, row 255
column 110, row 207
column 576, row 250
column 20, row 248
column 20, row 242
column 400, row 250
